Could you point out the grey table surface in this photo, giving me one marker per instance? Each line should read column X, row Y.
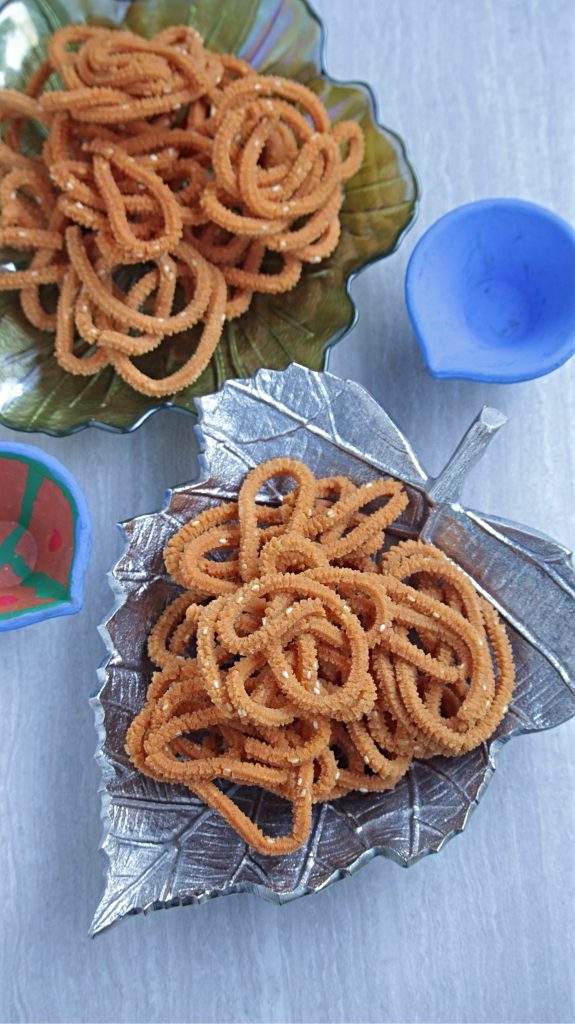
column 484, row 93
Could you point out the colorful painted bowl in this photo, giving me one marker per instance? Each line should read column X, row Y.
column 282, row 37
column 490, row 289
column 45, row 536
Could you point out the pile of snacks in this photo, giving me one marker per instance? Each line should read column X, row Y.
column 174, row 183
column 306, row 659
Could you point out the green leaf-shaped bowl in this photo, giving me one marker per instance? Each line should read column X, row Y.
column 282, row 37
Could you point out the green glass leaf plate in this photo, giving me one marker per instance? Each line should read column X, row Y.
column 45, row 532
column 282, row 37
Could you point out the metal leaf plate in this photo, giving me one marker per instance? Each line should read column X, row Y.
column 164, row 847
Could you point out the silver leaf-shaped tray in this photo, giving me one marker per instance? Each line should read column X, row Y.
column 164, row 847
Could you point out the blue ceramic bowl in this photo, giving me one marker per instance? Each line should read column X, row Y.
column 45, row 534
column 490, row 289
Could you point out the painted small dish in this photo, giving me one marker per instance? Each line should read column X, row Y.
column 282, row 37
column 44, row 538
column 490, row 289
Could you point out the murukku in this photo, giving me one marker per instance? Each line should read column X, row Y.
column 158, row 149
column 282, row 668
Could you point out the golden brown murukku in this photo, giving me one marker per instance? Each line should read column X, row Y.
column 181, row 171
column 282, row 668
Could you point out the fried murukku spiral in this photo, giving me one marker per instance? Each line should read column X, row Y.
column 174, row 184
column 308, row 657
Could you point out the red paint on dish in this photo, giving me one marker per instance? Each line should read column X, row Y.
column 13, row 476
column 8, row 578
column 6, row 529
column 23, row 599
column 52, row 513
column 55, row 542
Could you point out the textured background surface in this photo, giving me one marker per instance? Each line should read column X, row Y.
column 484, row 95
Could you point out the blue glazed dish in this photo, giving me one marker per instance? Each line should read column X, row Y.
column 490, row 290
column 45, row 538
